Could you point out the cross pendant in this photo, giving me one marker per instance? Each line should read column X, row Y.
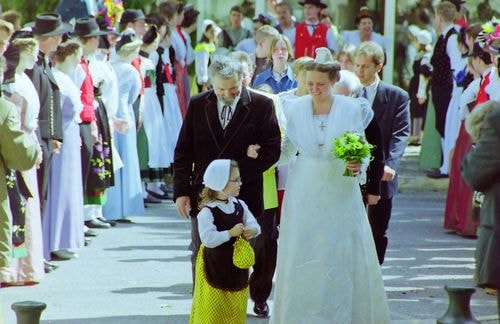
column 322, row 126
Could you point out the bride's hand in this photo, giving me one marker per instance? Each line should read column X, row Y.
column 354, row 166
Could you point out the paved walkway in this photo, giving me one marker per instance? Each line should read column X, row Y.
column 140, row 273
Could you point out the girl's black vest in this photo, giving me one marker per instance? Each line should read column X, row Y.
column 220, row 271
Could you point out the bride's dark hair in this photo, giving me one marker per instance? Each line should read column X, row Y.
column 332, row 69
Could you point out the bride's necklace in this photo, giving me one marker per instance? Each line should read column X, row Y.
column 321, row 123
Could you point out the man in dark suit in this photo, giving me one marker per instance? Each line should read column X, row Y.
column 48, row 30
column 481, row 170
column 224, row 123
column 391, row 107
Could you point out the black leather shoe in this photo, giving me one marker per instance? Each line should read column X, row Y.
column 261, row 309
column 110, row 222
column 151, row 200
column 436, row 174
column 49, row 266
column 124, row 221
column 167, row 188
column 94, row 223
column 90, row 233
column 157, row 195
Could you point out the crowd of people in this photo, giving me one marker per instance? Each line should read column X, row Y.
column 102, row 117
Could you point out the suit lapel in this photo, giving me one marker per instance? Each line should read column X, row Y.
column 212, row 119
column 379, row 102
column 239, row 118
column 223, row 137
column 240, row 114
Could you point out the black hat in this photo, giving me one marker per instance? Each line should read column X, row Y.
column 104, row 26
column 457, row 3
column 263, row 19
column 49, row 24
column 127, row 39
column 317, row 3
column 88, row 27
column 150, row 35
column 478, row 51
column 190, row 11
column 132, row 15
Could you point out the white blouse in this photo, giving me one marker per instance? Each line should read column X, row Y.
column 210, row 236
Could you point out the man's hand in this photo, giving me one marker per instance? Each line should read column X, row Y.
column 389, row 173
column 183, row 204
column 253, row 151
column 372, row 199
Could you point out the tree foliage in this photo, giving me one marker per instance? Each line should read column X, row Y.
column 29, row 9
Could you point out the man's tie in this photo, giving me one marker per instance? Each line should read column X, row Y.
column 364, row 94
column 226, row 115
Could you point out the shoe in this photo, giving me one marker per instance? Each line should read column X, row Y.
column 436, row 174
column 49, row 266
column 167, row 188
column 90, row 233
column 157, row 195
column 124, row 220
column 65, row 255
column 110, row 222
column 261, row 309
column 95, row 223
column 151, row 200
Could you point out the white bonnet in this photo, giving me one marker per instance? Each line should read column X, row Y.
column 217, row 174
column 424, row 37
column 323, row 55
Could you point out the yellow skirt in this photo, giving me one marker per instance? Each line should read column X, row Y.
column 216, row 306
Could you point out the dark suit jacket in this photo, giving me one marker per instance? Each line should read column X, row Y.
column 376, row 168
column 203, row 140
column 50, row 116
column 481, row 170
column 391, row 108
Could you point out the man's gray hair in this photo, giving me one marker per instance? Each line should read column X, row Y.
column 349, row 80
column 225, row 67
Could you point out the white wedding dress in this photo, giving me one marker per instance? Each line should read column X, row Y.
column 327, row 270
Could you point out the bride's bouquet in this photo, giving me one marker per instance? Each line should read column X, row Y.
column 351, row 147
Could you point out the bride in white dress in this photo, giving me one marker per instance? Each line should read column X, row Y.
column 328, row 271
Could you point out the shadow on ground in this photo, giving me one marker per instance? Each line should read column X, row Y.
column 143, row 319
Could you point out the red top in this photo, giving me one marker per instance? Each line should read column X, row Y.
column 136, row 63
column 88, row 113
column 168, row 73
column 482, row 96
column 306, row 44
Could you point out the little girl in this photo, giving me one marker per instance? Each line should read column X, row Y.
column 221, row 289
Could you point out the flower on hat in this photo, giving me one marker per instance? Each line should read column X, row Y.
column 490, row 35
column 112, row 11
